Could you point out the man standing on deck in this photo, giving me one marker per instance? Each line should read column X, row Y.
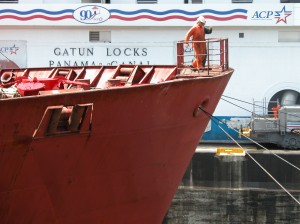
column 197, row 32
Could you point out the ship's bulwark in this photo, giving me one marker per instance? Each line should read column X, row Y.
column 124, row 169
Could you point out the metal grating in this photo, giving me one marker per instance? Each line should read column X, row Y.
column 100, row 36
column 94, row 36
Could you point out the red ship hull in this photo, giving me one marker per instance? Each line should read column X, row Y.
column 123, row 165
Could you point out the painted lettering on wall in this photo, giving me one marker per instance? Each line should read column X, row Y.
column 63, row 63
column 84, row 56
column 73, row 51
column 262, row 15
column 126, row 52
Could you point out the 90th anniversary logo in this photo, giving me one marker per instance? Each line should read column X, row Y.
column 91, row 14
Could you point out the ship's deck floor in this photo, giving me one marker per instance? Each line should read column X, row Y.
column 189, row 71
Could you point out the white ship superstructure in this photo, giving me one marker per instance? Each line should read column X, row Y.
column 264, row 40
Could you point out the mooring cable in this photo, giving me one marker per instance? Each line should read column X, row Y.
column 240, row 100
column 255, row 142
column 273, row 178
column 264, row 117
column 253, row 104
column 237, row 105
column 266, row 149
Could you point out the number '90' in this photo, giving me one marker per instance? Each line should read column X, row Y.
column 86, row 14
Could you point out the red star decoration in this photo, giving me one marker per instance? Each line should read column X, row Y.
column 282, row 15
column 14, row 49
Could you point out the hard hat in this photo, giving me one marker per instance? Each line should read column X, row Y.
column 201, row 19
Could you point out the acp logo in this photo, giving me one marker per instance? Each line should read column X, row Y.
column 91, row 14
column 11, row 50
column 279, row 16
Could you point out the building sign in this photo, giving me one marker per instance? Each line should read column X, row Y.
column 278, row 16
column 91, row 14
column 98, row 54
column 14, row 51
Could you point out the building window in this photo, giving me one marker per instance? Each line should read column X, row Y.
column 242, row 1
column 95, row 1
column 9, row 1
column 241, row 35
column 100, row 36
column 193, row 1
column 288, row 36
column 289, row 1
column 197, row 1
column 146, row 1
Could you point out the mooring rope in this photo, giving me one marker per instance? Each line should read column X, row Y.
column 273, row 178
column 252, row 139
column 292, row 115
column 279, row 157
column 267, row 149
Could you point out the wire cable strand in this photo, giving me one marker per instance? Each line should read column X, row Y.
column 279, row 157
column 265, row 118
column 273, row 178
column 255, row 105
